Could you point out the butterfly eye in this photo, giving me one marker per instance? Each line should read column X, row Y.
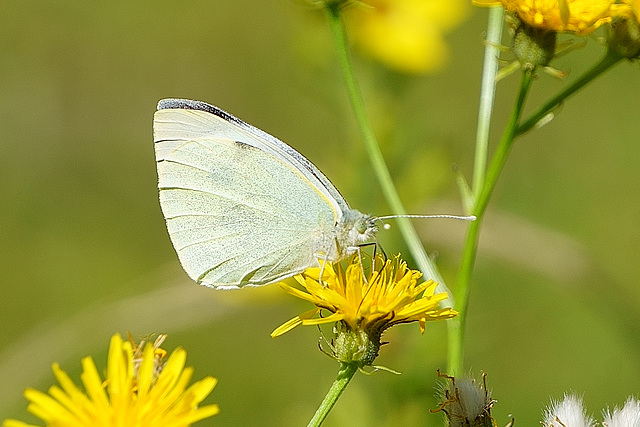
column 366, row 227
column 362, row 226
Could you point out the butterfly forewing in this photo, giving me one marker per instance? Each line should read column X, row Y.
column 237, row 214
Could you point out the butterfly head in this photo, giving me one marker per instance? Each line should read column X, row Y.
column 354, row 229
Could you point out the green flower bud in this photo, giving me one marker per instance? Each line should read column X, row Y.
column 624, row 37
column 533, row 47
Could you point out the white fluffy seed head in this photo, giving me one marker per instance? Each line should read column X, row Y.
column 569, row 412
column 466, row 402
column 628, row 416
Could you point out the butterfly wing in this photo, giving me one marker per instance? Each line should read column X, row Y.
column 242, row 208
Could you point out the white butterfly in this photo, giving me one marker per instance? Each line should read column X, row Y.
column 242, row 207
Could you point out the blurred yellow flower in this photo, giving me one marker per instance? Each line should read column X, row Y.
column 635, row 7
column 405, row 35
column 386, row 296
column 571, row 16
column 140, row 390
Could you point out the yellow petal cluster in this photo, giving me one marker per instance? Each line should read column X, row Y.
column 137, row 392
column 388, row 295
column 405, row 35
column 635, row 7
column 570, row 16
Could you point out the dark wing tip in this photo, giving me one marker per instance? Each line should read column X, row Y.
column 188, row 104
column 185, row 104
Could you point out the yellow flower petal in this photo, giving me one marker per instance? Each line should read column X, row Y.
column 146, row 371
column 45, row 407
column 16, row 423
column 335, row 317
column 487, row 3
column 296, row 321
column 581, row 17
column 92, row 384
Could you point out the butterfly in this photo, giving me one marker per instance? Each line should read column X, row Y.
column 242, row 207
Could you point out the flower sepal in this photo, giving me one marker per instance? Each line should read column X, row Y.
column 533, row 47
column 355, row 346
column 623, row 37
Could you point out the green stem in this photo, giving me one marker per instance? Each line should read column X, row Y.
column 375, row 154
column 455, row 361
column 608, row 60
column 345, row 374
column 487, row 94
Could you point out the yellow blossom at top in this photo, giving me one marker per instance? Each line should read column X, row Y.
column 635, row 7
column 405, row 35
column 571, row 16
column 141, row 389
column 386, row 296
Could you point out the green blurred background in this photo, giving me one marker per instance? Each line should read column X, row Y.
column 555, row 300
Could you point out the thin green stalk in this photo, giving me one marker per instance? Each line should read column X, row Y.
column 608, row 60
column 455, row 360
column 345, row 374
column 375, row 154
column 487, row 94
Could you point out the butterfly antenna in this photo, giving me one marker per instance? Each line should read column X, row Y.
column 462, row 217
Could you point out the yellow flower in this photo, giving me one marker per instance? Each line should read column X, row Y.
column 571, row 16
column 405, row 35
column 140, row 390
column 635, row 8
column 388, row 295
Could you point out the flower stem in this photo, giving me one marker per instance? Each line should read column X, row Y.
column 455, row 359
column 610, row 58
column 346, row 372
column 373, row 149
column 487, row 94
